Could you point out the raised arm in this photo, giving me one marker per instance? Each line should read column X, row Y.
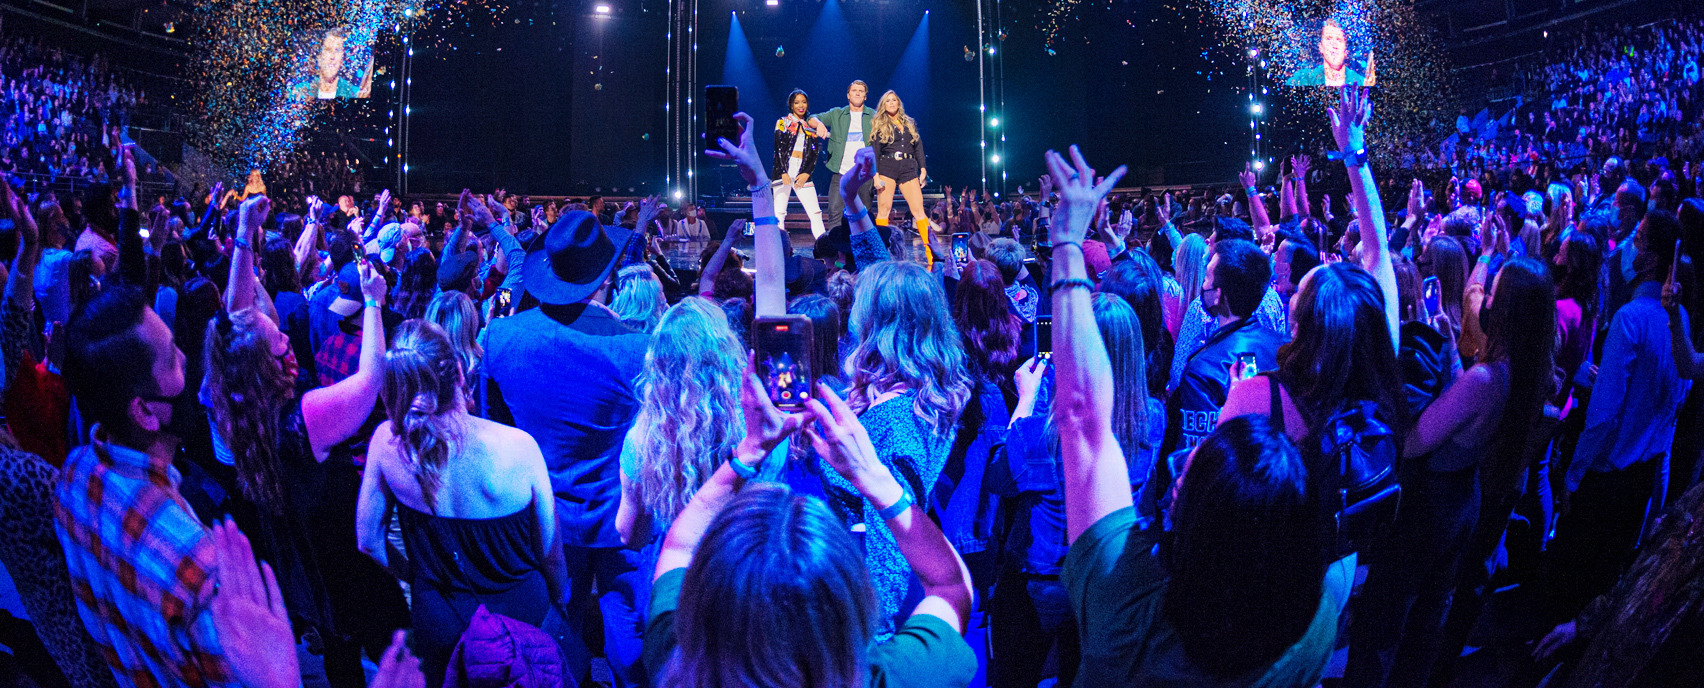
column 1097, row 481
column 713, row 267
column 333, row 414
column 1689, row 363
column 867, row 246
column 770, row 246
column 241, row 292
column 1256, row 208
column 304, row 250
column 841, row 439
column 1348, row 128
column 1300, row 165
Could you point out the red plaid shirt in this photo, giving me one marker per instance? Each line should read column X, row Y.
column 339, row 357
column 140, row 563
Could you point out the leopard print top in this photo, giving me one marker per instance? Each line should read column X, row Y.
column 30, row 551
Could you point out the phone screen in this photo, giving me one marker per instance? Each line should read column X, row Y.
column 1432, row 294
column 1044, row 336
column 961, row 248
column 782, row 347
column 1249, row 367
column 505, row 301
column 720, row 104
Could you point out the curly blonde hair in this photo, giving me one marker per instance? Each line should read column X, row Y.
column 906, row 337
column 689, row 405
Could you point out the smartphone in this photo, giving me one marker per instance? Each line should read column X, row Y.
column 1044, row 336
column 505, row 301
column 1432, row 294
column 781, row 345
column 720, row 104
column 961, row 248
column 1249, row 367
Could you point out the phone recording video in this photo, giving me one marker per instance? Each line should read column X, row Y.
column 505, row 302
column 1044, row 336
column 961, row 248
column 782, row 347
column 720, row 104
column 1250, row 368
column 1432, row 294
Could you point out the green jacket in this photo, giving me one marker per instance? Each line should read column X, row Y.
column 839, row 122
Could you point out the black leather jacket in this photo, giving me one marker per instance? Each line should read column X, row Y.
column 784, row 149
column 1193, row 410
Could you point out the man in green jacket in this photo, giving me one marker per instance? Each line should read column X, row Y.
column 848, row 129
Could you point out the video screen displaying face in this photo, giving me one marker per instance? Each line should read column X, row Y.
column 1337, row 60
column 342, row 69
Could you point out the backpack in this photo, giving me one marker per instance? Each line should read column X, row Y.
column 1358, row 452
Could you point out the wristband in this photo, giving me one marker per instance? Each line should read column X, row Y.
column 741, row 469
column 850, row 217
column 758, row 187
column 243, row 243
column 1251, row 191
column 1061, row 244
column 1354, row 158
column 894, row 510
column 372, row 303
column 767, row 220
column 1072, row 283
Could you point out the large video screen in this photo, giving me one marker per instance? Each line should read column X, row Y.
column 1331, row 57
column 343, row 68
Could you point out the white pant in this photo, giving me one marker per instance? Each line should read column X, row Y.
column 807, row 198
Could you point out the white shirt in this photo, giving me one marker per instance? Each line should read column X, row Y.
column 854, row 140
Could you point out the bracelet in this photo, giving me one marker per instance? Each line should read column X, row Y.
column 1058, row 245
column 906, row 501
column 372, row 303
column 1251, row 191
column 1072, row 283
column 854, row 218
column 757, row 187
column 768, row 220
column 741, row 469
column 243, row 243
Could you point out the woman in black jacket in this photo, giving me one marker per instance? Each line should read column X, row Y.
column 900, row 165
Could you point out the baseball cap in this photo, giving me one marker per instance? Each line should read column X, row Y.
column 348, row 284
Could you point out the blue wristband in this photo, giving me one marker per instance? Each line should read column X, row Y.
column 761, row 221
column 894, row 510
column 854, row 218
column 741, row 469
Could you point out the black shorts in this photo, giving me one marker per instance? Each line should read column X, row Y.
column 900, row 171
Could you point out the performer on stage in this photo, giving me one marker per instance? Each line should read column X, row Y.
column 797, row 138
column 899, row 162
column 849, row 128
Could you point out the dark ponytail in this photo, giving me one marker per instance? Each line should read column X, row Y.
column 422, row 388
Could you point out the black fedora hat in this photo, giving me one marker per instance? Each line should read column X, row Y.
column 574, row 259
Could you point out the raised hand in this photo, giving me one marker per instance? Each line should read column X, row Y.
column 1299, row 166
column 1349, row 119
column 1078, row 195
column 1416, row 199
column 863, row 170
column 399, row 668
column 381, row 207
column 29, row 236
column 499, row 212
column 744, row 153
column 648, row 210
column 1247, row 176
column 840, row 438
column 251, row 215
column 249, row 616
column 475, row 217
column 1028, row 377
column 373, row 286
column 766, row 426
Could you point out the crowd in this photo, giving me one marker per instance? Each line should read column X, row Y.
column 61, row 116
column 1593, row 93
column 1116, row 440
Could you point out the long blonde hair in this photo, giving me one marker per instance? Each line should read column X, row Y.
column 885, row 125
column 1191, row 266
column 906, row 337
column 689, row 405
column 457, row 314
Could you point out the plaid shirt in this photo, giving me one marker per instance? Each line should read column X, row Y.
column 139, row 562
column 339, row 357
